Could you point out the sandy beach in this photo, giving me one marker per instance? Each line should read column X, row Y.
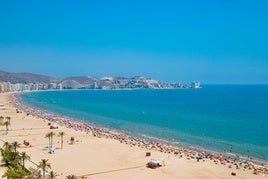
column 101, row 154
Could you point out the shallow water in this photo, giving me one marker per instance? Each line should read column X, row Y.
column 226, row 118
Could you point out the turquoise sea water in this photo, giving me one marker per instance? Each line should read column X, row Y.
column 225, row 118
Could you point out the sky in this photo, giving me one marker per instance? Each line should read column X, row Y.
column 214, row 42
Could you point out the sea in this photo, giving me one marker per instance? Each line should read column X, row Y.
column 231, row 119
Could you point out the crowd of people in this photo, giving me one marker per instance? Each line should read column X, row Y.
column 146, row 143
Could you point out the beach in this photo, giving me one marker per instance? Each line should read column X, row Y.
column 101, row 153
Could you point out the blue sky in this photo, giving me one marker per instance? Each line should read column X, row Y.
column 209, row 41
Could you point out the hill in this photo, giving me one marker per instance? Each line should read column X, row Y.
column 25, row 78
column 84, row 82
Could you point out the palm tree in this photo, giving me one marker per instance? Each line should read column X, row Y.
column 5, row 156
column 7, row 145
column 1, row 119
column 50, row 138
column 12, row 172
column 24, row 157
column 48, row 135
column 52, row 175
column 61, row 134
column 15, row 145
column 8, row 118
column 34, row 173
column 70, row 177
column 9, row 157
column 43, row 164
column 52, row 134
column 6, row 123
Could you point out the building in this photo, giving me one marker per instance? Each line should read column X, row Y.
column 3, row 87
column 196, row 84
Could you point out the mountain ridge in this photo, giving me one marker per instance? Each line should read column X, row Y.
column 25, row 78
column 85, row 82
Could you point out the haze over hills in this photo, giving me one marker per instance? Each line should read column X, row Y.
column 84, row 82
column 25, row 78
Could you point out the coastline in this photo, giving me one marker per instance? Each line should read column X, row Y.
column 185, row 140
column 170, row 154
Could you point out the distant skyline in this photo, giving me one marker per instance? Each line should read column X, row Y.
column 214, row 42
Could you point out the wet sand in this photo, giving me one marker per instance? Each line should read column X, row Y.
column 101, row 153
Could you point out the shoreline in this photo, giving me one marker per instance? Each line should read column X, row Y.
column 176, row 152
column 140, row 136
